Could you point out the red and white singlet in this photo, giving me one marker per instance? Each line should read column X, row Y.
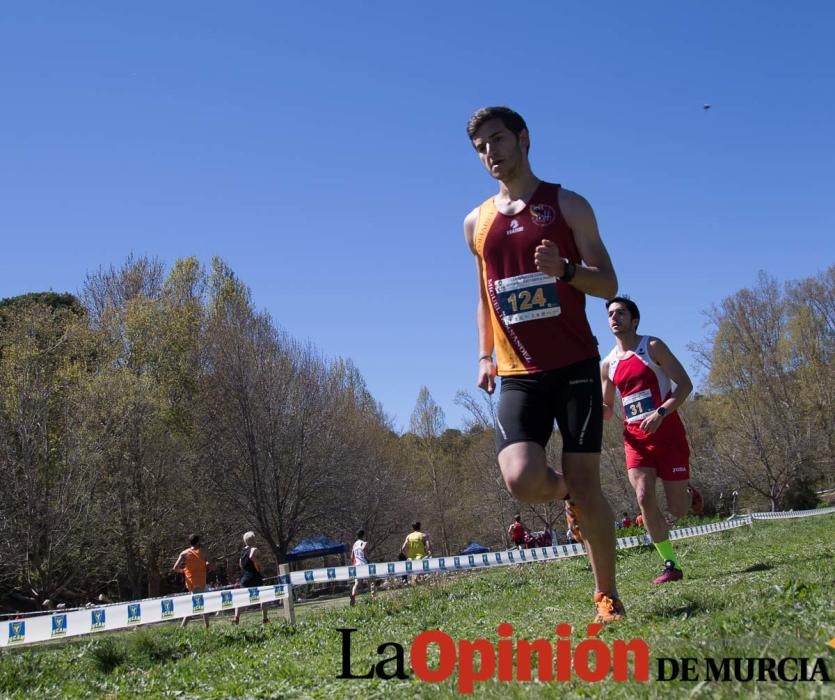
column 358, row 553
column 643, row 386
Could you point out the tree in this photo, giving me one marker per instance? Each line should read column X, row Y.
column 48, row 494
column 431, row 464
column 756, row 396
column 139, row 405
column 269, row 424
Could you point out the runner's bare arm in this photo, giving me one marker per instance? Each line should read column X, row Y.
column 597, row 277
column 661, row 355
column 178, row 565
column 486, row 368
column 256, row 559
column 608, row 390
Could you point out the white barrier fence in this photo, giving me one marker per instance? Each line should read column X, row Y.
column 124, row 615
column 791, row 514
column 72, row 623
column 463, row 562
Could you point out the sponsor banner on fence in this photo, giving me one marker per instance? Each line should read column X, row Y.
column 71, row 623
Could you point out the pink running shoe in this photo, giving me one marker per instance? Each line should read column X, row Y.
column 670, row 573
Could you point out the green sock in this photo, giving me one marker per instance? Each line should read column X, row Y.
column 665, row 549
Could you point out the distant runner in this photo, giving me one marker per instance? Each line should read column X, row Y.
column 249, row 562
column 416, row 545
column 193, row 564
column 358, row 558
column 517, row 532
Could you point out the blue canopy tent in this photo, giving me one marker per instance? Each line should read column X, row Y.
column 475, row 548
column 320, row 546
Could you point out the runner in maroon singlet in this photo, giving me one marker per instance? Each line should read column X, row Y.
column 538, row 253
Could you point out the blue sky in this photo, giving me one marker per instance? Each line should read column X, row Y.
column 320, row 150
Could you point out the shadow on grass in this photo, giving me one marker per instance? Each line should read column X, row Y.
column 683, row 611
column 756, row 567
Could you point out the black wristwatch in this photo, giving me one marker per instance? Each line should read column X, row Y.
column 570, row 271
column 661, row 411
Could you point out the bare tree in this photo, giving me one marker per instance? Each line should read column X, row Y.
column 756, row 406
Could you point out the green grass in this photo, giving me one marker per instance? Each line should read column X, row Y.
column 766, row 591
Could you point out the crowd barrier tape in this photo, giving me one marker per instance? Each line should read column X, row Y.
column 125, row 615
column 792, row 514
column 464, row 562
column 517, row 556
column 72, row 623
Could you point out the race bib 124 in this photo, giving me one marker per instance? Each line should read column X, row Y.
column 527, row 297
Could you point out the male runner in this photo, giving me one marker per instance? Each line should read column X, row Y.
column 641, row 368
column 416, row 545
column 193, row 564
column 517, row 532
column 538, row 252
column 359, row 558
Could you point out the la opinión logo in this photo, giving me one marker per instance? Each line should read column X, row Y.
column 507, row 659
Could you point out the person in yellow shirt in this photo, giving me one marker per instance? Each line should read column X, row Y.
column 416, row 545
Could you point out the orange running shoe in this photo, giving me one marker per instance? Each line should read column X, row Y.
column 608, row 609
column 697, row 501
column 573, row 520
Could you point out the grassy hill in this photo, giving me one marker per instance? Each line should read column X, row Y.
column 765, row 591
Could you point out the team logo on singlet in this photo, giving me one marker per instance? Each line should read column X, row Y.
column 542, row 214
column 515, row 227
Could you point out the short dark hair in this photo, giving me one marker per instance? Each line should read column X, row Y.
column 630, row 305
column 416, row 525
column 360, row 534
column 512, row 121
column 194, row 540
column 517, row 517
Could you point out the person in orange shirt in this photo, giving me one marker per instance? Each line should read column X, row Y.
column 193, row 564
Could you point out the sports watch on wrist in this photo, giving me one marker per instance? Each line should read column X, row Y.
column 661, row 411
column 569, row 271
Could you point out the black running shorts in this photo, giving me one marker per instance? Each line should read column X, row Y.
column 529, row 405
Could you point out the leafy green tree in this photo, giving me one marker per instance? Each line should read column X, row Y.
column 48, row 494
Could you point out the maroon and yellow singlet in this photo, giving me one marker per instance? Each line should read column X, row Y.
column 539, row 323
